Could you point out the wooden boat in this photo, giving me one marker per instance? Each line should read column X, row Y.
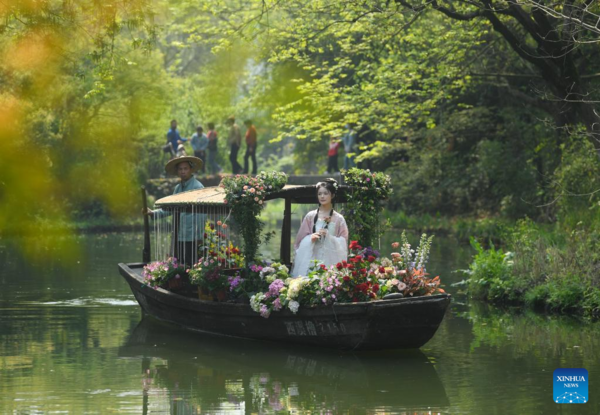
column 382, row 324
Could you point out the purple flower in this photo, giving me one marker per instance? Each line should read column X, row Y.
column 275, row 287
column 234, row 282
column 369, row 251
column 264, row 311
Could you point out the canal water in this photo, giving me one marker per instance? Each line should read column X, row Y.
column 72, row 340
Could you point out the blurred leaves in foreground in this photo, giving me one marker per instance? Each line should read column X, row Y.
column 73, row 98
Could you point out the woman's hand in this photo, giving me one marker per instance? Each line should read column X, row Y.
column 315, row 237
column 148, row 212
column 323, row 232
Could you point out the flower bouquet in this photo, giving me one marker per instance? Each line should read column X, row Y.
column 165, row 274
column 211, row 273
column 365, row 276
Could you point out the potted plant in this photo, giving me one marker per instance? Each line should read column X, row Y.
column 211, row 281
column 167, row 274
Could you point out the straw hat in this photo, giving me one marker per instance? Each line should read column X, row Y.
column 195, row 163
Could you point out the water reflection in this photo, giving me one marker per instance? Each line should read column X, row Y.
column 201, row 372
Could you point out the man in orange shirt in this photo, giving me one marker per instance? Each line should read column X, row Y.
column 251, row 141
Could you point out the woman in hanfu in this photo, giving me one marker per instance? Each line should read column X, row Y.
column 323, row 235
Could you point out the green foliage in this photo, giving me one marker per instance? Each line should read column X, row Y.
column 364, row 203
column 577, row 183
column 489, row 274
column 473, row 161
column 549, row 269
column 245, row 196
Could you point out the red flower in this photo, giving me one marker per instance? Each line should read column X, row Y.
column 350, row 266
column 346, row 278
column 354, row 245
column 372, row 295
column 363, row 271
column 205, row 236
column 345, row 263
column 371, row 258
column 323, row 267
column 354, row 273
column 375, row 288
column 382, row 270
column 339, row 266
column 212, row 226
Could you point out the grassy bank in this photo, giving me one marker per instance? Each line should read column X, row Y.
column 542, row 267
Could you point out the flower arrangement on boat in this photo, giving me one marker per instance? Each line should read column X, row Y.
column 160, row 273
column 208, row 273
column 365, row 276
column 245, row 196
column 364, row 203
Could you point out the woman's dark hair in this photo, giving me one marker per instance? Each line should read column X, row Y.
column 211, row 125
column 331, row 186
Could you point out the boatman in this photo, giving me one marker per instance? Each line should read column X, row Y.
column 191, row 225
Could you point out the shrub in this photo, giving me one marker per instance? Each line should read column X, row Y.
column 490, row 274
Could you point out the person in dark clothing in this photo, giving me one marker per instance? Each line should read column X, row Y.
column 251, row 141
column 213, row 149
column 235, row 141
column 173, row 137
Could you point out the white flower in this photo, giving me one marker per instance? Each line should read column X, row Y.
column 295, row 285
column 293, row 306
column 266, row 271
column 255, row 301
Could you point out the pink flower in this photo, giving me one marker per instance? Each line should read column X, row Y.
column 395, row 245
column 224, row 226
column 219, row 223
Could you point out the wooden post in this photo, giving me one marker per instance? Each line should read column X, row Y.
column 286, row 233
column 146, row 251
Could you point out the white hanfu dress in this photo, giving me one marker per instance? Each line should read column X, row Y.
column 330, row 250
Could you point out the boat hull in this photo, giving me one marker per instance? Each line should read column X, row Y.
column 406, row 323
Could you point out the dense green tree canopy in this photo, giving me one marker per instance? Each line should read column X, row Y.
column 476, row 107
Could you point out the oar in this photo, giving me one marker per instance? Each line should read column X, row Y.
column 146, row 251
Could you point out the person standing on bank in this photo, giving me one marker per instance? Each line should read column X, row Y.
column 199, row 143
column 323, row 235
column 349, row 140
column 213, row 149
column 251, row 141
column 173, row 137
column 191, row 225
column 332, row 156
column 235, row 141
